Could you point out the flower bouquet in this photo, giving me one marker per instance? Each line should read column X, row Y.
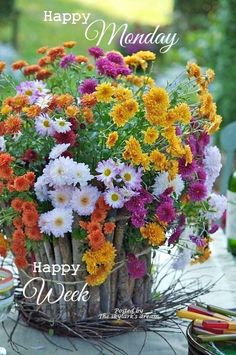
column 99, row 167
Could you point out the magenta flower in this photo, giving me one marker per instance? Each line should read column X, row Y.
column 197, row 191
column 198, row 241
column 166, row 212
column 88, row 86
column 185, row 169
column 96, row 52
column 175, row 236
column 115, row 57
column 67, row 61
column 136, row 268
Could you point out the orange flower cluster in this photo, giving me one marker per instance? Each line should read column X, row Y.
column 97, row 228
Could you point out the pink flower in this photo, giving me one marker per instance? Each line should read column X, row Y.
column 136, row 268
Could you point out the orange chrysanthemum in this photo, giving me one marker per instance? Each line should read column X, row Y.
column 5, row 159
column 109, row 227
column 2, row 66
column 18, row 235
column 72, row 111
column 69, row 44
column 33, row 233
column 17, row 102
column 30, row 177
column 88, row 100
column 83, row 225
column 42, row 62
column 13, row 124
column 101, row 204
column 42, row 50
column 21, row 262
column 43, row 74
column 2, row 128
column 32, row 111
column 10, row 185
column 56, row 52
column 30, row 218
column 31, row 69
column 81, row 59
column 99, row 215
column 64, row 100
column 96, row 239
column 87, row 114
column 6, row 172
column 17, row 204
column 29, row 206
column 19, row 64
column 93, row 227
column 17, row 222
column 21, row 183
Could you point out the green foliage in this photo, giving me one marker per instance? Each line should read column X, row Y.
column 6, row 6
column 226, row 69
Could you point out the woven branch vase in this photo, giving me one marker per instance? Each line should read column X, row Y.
column 118, row 291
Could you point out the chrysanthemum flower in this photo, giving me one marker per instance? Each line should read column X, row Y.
column 104, row 92
column 107, row 170
column 131, row 177
column 112, row 139
column 31, row 69
column 21, row 183
column 96, row 240
column 33, row 233
column 61, row 197
column 17, row 204
column 56, row 222
column 21, row 262
column 69, row 44
column 61, row 125
column 166, row 212
column 30, row 218
column 66, row 138
column 150, row 135
column 84, row 200
column 137, row 268
column 19, row 64
column 109, row 227
column 96, row 52
column 154, row 233
column 81, row 174
column 44, row 125
column 114, row 198
column 12, row 124
column 197, row 191
column 88, row 86
column 67, row 60
column 60, row 171
column 156, row 103
column 57, row 150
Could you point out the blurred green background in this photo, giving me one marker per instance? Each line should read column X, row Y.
column 206, row 28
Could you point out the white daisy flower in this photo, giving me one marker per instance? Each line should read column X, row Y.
column 131, row 177
column 84, row 200
column 60, row 171
column 161, row 183
column 40, row 188
column 44, row 125
column 58, row 150
column 44, row 101
column 2, row 144
column 82, row 174
column 114, row 198
column 57, row 222
column 61, row 197
column 61, row 125
column 107, row 170
column 41, row 87
column 177, row 184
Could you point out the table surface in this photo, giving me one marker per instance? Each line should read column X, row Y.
column 221, row 264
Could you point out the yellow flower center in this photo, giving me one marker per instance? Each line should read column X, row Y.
column 58, row 221
column 114, row 197
column 127, row 176
column 28, row 92
column 62, row 123
column 107, row 172
column 84, row 201
column 46, row 123
column 61, row 198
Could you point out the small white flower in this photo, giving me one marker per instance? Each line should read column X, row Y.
column 41, row 87
column 57, row 222
column 177, row 184
column 218, row 204
column 82, row 174
column 58, row 150
column 40, row 188
column 2, row 144
column 114, row 198
column 60, row 171
column 162, row 183
column 61, row 197
column 44, row 101
column 44, row 125
column 84, row 200
column 61, row 125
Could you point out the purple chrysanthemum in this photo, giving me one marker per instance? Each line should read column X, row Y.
column 214, row 228
column 67, row 61
column 186, row 169
column 175, row 236
column 166, row 212
column 96, row 52
column 108, row 68
column 88, row 86
column 201, row 174
column 136, row 268
column 115, row 57
column 200, row 242
column 197, row 191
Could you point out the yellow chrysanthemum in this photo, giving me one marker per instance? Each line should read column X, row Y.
column 122, row 94
column 154, row 233
column 146, row 55
column 150, row 135
column 173, row 169
column 175, row 149
column 193, row 70
column 215, row 125
column 156, row 103
column 133, row 151
column 158, row 160
column 184, row 113
column 105, row 256
column 119, row 115
column 98, row 278
column 135, row 80
column 72, row 111
column 145, row 161
column 210, row 74
column 188, row 154
column 6, row 109
column 104, row 92
column 112, row 139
